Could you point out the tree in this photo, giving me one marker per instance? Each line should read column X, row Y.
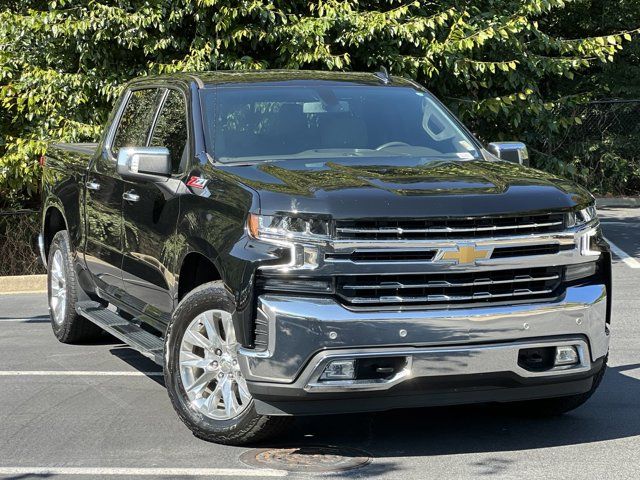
column 501, row 65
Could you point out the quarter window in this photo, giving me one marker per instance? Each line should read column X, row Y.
column 170, row 130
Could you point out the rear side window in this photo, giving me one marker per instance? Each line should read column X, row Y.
column 137, row 117
column 170, row 130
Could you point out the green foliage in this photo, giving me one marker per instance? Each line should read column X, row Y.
column 506, row 67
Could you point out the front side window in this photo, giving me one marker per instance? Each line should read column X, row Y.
column 170, row 130
column 274, row 122
column 137, row 117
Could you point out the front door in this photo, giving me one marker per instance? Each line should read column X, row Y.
column 103, row 249
column 150, row 214
column 105, row 188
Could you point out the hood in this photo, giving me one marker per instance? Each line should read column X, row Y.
column 404, row 187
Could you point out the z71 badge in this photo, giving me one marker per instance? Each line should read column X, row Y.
column 197, row 182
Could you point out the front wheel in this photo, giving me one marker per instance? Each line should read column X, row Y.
column 202, row 373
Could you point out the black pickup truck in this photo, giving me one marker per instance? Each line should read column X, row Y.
column 295, row 243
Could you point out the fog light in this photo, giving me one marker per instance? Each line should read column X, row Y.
column 339, row 370
column 566, row 356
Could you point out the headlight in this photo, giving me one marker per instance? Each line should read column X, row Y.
column 303, row 237
column 281, row 227
column 581, row 217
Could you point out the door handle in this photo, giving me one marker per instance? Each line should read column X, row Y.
column 92, row 185
column 131, row 196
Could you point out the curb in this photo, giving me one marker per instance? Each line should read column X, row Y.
column 23, row 284
column 632, row 202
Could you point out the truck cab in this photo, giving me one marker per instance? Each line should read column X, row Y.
column 292, row 243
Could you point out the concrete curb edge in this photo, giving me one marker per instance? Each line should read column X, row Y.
column 23, row 284
column 618, row 202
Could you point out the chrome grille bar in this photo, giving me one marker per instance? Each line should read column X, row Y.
column 491, row 228
column 445, row 283
column 448, row 298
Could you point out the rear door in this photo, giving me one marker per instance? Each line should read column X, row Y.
column 104, row 190
column 150, row 220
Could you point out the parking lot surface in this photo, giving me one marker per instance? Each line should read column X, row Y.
column 89, row 411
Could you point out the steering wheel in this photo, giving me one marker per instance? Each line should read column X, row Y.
column 392, row 144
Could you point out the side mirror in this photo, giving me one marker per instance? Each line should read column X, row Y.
column 144, row 163
column 515, row 152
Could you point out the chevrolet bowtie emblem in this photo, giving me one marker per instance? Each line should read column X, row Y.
column 465, row 254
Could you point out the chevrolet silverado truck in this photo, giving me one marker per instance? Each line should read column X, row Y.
column 299, row 243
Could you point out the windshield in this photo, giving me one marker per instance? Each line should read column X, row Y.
column 273, row 122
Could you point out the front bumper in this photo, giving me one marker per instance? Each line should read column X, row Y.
column 466, row 346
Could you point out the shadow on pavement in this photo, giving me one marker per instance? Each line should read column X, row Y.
column 138, row 361
column 624, row 235
column 29, row 319
column 613, row 412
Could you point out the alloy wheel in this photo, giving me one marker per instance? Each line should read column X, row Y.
column 209, row 367
column 58, row 288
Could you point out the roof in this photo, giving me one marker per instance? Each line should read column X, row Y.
column 294, row 77
column 238, row 78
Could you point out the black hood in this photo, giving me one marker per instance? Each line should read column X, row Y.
column 405, row 187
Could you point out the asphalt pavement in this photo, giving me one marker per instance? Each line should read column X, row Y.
column 96, row 410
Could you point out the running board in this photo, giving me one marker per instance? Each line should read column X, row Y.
column 146, row 343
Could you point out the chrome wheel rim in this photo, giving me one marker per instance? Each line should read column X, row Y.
column 209, row 367
column 58, row 288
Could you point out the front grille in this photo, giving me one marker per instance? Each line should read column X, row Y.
column 527, row 250
column 261, row 331
column 385, row 256
column 458, row 228
column 450, row 288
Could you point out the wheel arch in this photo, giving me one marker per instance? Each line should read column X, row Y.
column 196, row 268
column 54, row 222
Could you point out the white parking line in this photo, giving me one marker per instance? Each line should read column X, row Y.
column 26, row 320
column 622, row 255
column 167, row 472
column 75, row 373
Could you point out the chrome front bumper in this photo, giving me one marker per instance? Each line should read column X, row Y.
column 305, row 333
column 442, row 362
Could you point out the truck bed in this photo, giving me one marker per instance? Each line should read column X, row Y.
column 84, row 148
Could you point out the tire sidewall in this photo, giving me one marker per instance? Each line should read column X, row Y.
column 60, row 243
column 207, row 297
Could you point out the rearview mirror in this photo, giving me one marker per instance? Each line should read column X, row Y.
column 515, row 152
column 144, row 163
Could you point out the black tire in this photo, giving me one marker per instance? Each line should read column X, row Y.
column 248, row 426
column 71, row 327
column 552, row 407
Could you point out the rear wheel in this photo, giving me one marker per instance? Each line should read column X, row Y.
column 68, row 326
column 202, row 373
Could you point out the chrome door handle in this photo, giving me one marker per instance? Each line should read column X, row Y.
column 131, row 196
column 92, row 185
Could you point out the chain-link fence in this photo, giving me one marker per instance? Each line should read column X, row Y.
column 606, row 118
column 18, row 243
column 603, row 151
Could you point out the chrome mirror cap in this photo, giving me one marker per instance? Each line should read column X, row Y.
column 144, row 163
column 515, row 152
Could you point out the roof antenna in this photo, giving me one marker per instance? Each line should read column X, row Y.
column 383, row 75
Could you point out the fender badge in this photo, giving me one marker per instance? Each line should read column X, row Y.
column 197, row 182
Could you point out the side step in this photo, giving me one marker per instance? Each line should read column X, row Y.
column 141, row 340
